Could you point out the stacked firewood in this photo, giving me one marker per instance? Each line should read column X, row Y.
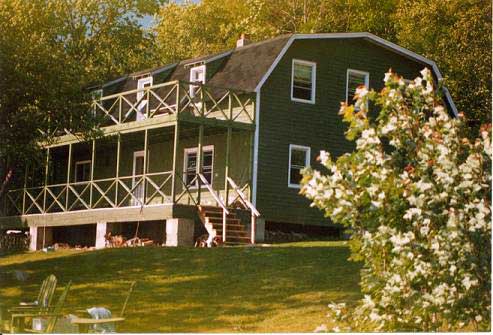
column 13, row 240
column 118, row 241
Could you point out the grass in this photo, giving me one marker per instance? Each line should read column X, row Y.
column 283, row 288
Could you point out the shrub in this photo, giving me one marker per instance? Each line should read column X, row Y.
column 416, row 196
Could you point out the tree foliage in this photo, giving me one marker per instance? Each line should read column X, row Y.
column 50, row 51
column 456, row 34
column 416, row 195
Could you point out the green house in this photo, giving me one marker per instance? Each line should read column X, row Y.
column 212, row 145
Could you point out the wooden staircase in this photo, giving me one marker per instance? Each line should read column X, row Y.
column 212, row 218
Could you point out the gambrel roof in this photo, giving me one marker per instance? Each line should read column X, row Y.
column 248, row 67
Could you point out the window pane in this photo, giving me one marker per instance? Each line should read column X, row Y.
column 295, row 176
column 208, row 175
column 191, row 160
column 189, row 177
column 354, row 81
column 302, row 81
column 207, row 159
column 298, row 157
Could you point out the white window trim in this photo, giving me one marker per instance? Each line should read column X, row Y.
column 140, row 85
column 307, row 161
column 185, row 162
column 367, row 81
column 139, row 153
column 201, row 68
column 314, row 80
column 80, row 163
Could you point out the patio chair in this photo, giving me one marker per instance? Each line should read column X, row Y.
column 51, row 316
column 84, row 323
column 45, row 297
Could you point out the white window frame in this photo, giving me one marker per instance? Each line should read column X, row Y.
column 367, row 82
column 193, row 70
column 140, row 85
column 307, row 161
column 185, row 163
column 136, row 154
column 75, row 171
column 94, row 93
column 314, row 80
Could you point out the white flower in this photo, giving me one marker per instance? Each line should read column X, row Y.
column 426, row 74
column 324, row 157
column 387, row 76
column 361, row 91
column 468, row 283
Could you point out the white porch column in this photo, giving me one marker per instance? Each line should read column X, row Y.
column 179, row 232
column 33, row 235
column 101, row 227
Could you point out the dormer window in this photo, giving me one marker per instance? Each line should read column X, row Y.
column 141, row 84
column 197, row 75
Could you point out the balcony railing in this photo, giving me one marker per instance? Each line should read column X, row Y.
column 127, row 191
column 174, row 98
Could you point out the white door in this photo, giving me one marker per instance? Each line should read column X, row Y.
column 137, row 179
column 141, row 107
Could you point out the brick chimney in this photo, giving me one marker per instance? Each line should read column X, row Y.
column 244, row 40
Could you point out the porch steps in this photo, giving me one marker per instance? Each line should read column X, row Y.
column 212, row 218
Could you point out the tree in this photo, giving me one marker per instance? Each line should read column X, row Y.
column 456, row 34
column 50, row 52
column 416, row 195
column 196, row 29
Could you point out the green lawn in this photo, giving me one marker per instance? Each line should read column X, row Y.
column 283, row 288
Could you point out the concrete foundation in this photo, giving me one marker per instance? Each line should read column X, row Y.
column 260, row 230
column 179, row 232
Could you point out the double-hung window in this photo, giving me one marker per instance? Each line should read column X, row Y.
column 303, row 78
column 82, row 171
column 197, row 75
column 190, row 167
column 354, row 80
column 299, row 158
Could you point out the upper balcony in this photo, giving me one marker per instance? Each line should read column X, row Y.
column 176, row 100
column 164, row 104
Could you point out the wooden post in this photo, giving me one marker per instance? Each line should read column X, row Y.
column 250, row 165
column 24, row 191
column 69, row 167
column 226, row 166
column 199, row 160
column 175, row 158
column 47, row 163
column 117, row 169
column 253, row 223
column 119, row 109
column 144, row 180
column 93, row 156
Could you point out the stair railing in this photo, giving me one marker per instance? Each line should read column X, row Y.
column 247, row 204
column 218, row 201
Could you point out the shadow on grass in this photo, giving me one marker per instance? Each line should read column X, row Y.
column 198, row 290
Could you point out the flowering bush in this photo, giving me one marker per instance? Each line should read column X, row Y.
column 416, row 196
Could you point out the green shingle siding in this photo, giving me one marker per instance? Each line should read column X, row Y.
column 284, row 122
